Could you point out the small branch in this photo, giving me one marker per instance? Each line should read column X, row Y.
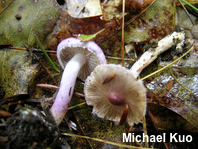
column 48, row 72
column 189, row 5
column 145, row 131
column 78, row 105
column 187, row 10
column 118, row 58
column 46, row 55
column 103, row 141
column 48, row 86
column 123, row 10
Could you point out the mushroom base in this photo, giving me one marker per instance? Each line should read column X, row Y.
column 116, row 99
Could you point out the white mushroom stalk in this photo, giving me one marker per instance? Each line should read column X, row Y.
column 151, row 54
column 78, row 59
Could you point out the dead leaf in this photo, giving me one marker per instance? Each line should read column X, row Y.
column 70, row 26
column 169, row 120
column 135, row 6
column 83, row 8
column 155, row 23
column 25, row 19
column 177, row 99
column 17, row 71
column 4, row 5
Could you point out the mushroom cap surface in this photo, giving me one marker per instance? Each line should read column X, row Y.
column 67, row 48
column 124, row 86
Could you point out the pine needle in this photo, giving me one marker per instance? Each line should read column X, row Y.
column 45, row 54
column 167, row 65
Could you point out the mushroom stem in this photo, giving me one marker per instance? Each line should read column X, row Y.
column 151, row 54
column 65, row 92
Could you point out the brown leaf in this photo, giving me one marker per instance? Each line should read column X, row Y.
column 183, row 94
column 4, row 4
column 135, row 6
column 169, row 120
column 83, row 8
column 155, row 23
column 70, row 26
column 17, row 71
column 21, row 20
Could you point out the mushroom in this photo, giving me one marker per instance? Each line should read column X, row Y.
column 151, row 54
column 114, row 91
column 78, row 59
column 110, row 89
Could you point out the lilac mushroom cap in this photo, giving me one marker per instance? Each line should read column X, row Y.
column 110, row 99
column 92, row 52
column 78, row 59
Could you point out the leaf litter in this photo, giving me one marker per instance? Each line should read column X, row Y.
column 110, row 41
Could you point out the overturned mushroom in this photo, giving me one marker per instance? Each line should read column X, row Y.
column 110, row 89
column 114, row 91
column 151, row 54
column 77, row 59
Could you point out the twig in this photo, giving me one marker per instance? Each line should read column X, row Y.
column 180, row 67
column 103, row 141
column 38, row 50
column 48, row 86
column 123, row 11
column 145, row 131
column 189, row 5
column 151, row 121
column 117, row 58
column 48, row 72
column 82, row 129
column 46, row 55
column 186, row 11
column 78, row 105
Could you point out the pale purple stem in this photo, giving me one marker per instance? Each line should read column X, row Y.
column 65, row 92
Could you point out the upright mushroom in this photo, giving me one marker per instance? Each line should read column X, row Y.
column 110, row 89
column 78, row 59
